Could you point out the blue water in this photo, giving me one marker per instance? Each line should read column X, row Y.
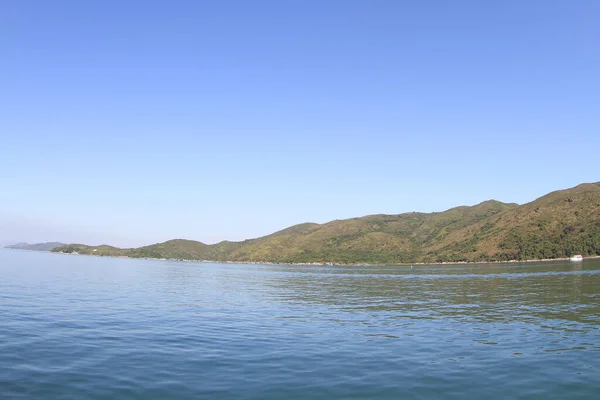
column 75, row 327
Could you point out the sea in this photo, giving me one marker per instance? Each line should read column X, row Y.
column 80, row 327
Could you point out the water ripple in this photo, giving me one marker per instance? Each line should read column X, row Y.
column 95, row 328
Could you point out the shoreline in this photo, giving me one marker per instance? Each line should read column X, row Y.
column 329, row 264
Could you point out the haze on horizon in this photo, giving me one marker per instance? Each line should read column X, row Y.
column 131, row 123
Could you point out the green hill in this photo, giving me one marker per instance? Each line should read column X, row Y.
column 558, row 224
column 48, row 246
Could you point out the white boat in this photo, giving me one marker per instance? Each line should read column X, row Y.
column 578, row 257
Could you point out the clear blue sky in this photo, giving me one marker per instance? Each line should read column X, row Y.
column 133, row 122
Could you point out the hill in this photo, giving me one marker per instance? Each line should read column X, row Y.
column 556, row 225
column 48, row 246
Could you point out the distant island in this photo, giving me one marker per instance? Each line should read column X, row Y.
column 48, row 246
column 557, row 225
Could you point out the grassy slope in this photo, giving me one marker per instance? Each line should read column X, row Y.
column 559, row 224
column 371, row 239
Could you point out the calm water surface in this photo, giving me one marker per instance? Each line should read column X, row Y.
column 75, row 327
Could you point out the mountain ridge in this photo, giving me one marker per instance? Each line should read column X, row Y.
column 555, row 225
column 46, row 246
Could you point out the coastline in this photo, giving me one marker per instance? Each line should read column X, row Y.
column 330, row 264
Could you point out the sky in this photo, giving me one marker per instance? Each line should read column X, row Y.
column 133, row 122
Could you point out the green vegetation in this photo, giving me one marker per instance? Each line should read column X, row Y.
column 48, row 246
column 560, row 224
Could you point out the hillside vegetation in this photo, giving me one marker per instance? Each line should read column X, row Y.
column 559, row 224
column 48, row 246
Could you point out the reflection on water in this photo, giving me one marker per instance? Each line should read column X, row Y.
column 557, row 291
column 88, row 327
